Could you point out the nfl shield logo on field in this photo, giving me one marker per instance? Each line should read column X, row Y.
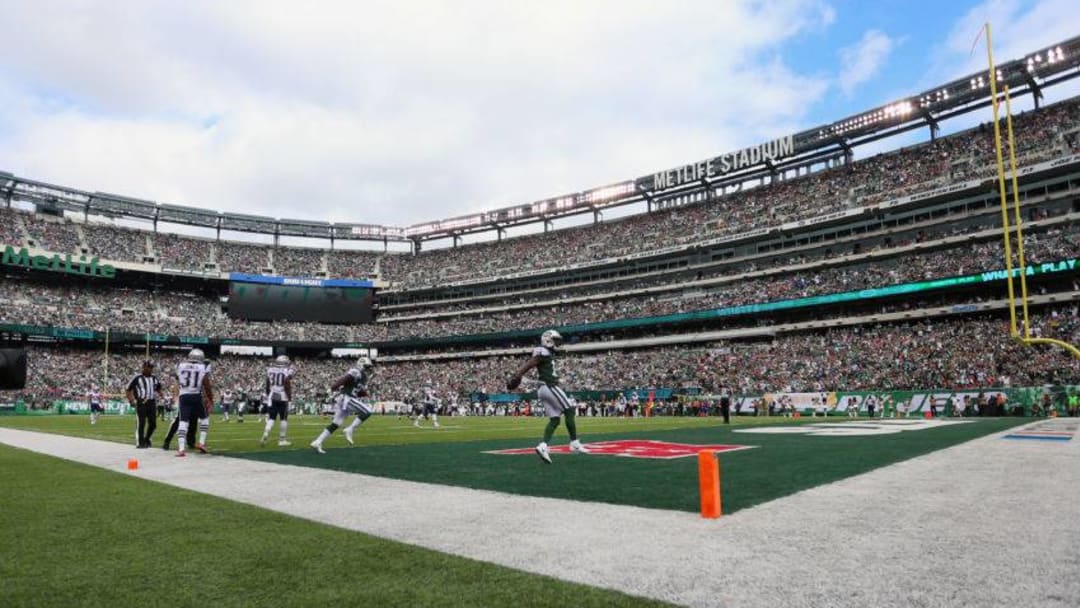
column 636, row 448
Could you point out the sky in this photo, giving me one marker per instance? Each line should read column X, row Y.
column 397, row 112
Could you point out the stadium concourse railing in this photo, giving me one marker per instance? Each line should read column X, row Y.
column 1060, row 268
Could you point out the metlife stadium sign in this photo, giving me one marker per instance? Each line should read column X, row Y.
column 721, row 165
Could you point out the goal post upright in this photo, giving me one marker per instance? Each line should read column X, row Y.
column 1017, row 218
column 1001, row 184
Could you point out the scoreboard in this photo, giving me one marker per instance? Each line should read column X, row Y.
column 260, row 298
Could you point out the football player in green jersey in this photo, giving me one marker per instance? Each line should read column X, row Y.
column 351, row 389
column 556, row 403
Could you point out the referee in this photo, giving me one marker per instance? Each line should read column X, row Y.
column 142, row 393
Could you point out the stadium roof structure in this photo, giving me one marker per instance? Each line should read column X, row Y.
column 1028, row 75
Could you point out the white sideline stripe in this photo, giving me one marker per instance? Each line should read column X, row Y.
column 985, row 523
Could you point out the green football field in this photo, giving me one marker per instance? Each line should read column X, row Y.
column 772, row 466
column 75, row 535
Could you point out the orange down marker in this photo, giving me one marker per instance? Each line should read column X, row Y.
column 709, row 483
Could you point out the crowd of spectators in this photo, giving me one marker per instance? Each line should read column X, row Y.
column 10, row 231
column 116, row 243
column 182, row 253
column 297, row 262
column 951, row 353
column 953, row 261
column 354, row 264
column 1049, row 245
column 139, row 311
column 53, row 235
column 236, row 257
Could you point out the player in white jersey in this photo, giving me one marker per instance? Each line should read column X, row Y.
column 196, row 398
column 96, row 399
column 278, row 393
column 430, row 404
column 227, row 400
column 351, row 389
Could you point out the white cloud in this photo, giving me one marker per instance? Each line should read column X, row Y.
column 388, row 112
column 1017, row 28
column 863, row 60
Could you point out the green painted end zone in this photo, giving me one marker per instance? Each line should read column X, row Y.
column 781, row 463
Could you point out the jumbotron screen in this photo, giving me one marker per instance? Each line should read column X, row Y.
column 267, row 302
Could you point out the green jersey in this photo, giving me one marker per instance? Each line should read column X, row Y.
column 546, row 368
column 355, row 384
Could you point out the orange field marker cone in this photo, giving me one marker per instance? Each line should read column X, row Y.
column 709, row 484
column 133, row 464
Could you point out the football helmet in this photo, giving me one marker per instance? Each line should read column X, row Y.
column 365, row 362
column 282, row 360
column 550, row 339
column 196, row 355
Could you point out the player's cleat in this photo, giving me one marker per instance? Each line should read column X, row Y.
column 262, row 441
column 202, row 448
column 416, row 423
column 282, row 443
column 576, row 447
column 435, row 424
column 542, row 451
column 348, row 435
column 318, row 447
column 181, row 454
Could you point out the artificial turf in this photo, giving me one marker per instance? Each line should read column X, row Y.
column 75, row 535
column 778, row 465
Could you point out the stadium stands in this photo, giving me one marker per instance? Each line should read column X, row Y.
column 961, row 352
column 870, row 355
column 142, row 311
column 233, row 257
column 115, row 243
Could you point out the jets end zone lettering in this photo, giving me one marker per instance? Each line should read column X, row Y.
column 58, row 263
column 636, row 448
column 834, row 429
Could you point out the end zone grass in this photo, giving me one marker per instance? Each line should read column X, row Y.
column 73, row 535
column 779, row 465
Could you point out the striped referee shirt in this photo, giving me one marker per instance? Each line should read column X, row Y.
column 144, row 388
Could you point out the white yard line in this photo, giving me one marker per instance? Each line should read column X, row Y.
column 991, row 522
